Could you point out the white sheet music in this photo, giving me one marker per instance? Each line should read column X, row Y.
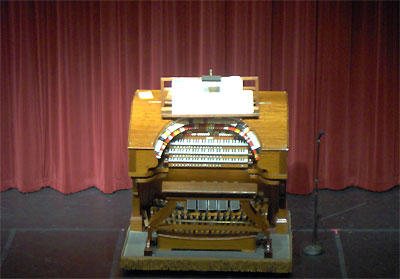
column 191, row 96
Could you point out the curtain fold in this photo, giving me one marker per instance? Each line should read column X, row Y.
column 69, row 71
column 293, row 70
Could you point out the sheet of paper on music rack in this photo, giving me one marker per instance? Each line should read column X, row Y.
column 192, row 96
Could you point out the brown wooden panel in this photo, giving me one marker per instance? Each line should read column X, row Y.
column 141, row 160
column 146, row 122
column 273, row 161
column 272, row 126
column 244, row 243
column 210, row 188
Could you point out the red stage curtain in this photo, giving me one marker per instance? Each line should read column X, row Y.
column 69, row 71
column 358, row 94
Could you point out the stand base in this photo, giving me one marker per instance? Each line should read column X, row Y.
column 313, row 249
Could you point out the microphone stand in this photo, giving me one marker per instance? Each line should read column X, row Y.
column 314, row 249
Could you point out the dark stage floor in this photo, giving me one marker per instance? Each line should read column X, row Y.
column 48, row 234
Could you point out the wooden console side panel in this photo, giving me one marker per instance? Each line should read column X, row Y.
column 275, row 163
column 141, row 161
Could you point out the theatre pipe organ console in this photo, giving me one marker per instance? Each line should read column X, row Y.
column 208, row 182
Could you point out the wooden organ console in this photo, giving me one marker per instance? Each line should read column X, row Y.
column 208, row 182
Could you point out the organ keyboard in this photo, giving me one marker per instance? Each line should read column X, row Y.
column 213, row 145
column 208, row 182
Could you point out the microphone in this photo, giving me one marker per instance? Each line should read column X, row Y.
column 320, row 134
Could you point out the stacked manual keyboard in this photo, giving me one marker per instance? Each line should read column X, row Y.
column 220, row 144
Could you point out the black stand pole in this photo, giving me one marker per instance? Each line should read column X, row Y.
column 314, row 249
